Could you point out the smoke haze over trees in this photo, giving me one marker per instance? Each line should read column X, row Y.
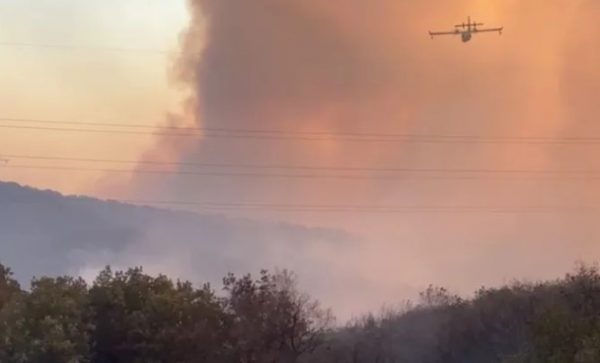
column 58, row 235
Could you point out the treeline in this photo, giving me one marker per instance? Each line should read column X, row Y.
column 132, row 317
column 550, row 322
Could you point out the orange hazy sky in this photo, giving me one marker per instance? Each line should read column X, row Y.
column 129, row 87
column 84, row 85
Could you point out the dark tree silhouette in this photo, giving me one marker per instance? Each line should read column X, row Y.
column 129, row 316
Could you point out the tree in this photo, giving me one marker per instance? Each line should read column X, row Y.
column 9, row 287
column 272, row 320
column 140, row 318
column 49, row 324
column 10, row 323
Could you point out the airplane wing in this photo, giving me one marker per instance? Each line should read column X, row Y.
column 489, row 30
column 455, row 32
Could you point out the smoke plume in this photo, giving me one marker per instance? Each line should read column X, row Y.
column 357, row 66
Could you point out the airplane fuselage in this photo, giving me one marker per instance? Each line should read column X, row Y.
column 466, row 36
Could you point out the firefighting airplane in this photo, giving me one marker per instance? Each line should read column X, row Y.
column 467, row 30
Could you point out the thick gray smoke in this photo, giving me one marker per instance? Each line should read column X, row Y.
column 370, row 67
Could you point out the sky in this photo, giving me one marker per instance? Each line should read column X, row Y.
column 88, row 84
column 317, row 66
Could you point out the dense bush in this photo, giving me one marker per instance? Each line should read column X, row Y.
column 128, row 316
column 132, row 317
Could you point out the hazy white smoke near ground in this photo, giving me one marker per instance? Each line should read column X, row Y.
column 370, row 67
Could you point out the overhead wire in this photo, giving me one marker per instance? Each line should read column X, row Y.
column 279, row 134
column 447, row 174
column 187, row 173
column 274, row 134
column 360, row 207
column 388, row 169
column 330, row 208
column 74, row 47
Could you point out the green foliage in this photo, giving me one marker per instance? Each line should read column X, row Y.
column 48, row 324
column 557, row 322
column 8, row 286
column 567, row 328
column 11, row 321
column 139, row 318
column 56, row 321
column 271, row 321
column 129, row 316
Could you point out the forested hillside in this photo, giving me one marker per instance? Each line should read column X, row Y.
column 58, row 234
column 129, row 316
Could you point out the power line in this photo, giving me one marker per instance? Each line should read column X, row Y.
column 370, row 209
column 8, row 157
column 275, row 134
column 256, row 131
column 67, row 129
column 73, row 47
column 359, row 207
column 449, row 174
column 80, row 123
column 207, row 173
column 230, row 135
column 338, row 208
column 387, row 210
column 209, row 129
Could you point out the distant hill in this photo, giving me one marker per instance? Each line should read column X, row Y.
column 46, row 233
